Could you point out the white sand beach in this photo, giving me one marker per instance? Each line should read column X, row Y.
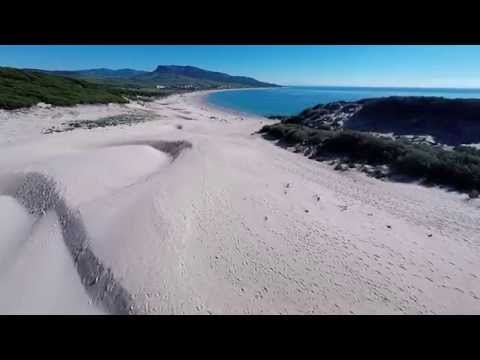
column 232, row 225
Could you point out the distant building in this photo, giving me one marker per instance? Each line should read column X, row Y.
column 160, row 87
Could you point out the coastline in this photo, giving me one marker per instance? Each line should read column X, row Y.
column 232, row 225
column 202, row 101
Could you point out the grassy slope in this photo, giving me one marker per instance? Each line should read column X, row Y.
column 22, row 88
column 449, row 121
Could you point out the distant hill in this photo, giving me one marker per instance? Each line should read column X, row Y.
column 119, row 78
column 189, row 77
column 24, row 88
column 449, row 121
column 100, row 73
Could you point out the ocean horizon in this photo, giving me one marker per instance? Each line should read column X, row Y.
column 290, row 100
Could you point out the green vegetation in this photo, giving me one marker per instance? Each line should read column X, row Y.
column 458, row 168
column 24, row 88
column 21, row 88
column 123, row 119
column 448, row 121
column 173, row 77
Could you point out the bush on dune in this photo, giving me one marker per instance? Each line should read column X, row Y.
column 468, row 150
column 459, row 168
column 364, row 147
column 295, row 134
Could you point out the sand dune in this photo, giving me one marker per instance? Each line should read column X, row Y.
column 206, row 218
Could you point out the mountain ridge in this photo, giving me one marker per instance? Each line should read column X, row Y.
column 163, row 75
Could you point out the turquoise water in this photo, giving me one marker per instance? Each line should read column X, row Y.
column 292, row 100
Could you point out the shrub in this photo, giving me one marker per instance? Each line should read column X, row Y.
column 467, row 150
column 360, row 146
column 416, row 162
column 459, row 168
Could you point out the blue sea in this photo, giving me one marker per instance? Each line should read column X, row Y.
column 293, row 99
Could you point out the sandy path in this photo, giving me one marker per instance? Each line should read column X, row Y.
column 238, row 225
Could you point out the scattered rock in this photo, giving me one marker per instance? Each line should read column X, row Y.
column 306, row 210
column 473, row 194
column 381, row 171
column 389, row 226
column 42, row 105
column 299, row 149
column 429, row 235
column 309, row 151
column 333, row 106
column 340, row 167
column 368, row 169
column 266, row 218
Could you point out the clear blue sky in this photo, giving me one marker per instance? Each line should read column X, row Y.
column 360, row 65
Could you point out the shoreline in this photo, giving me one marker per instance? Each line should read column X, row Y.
column 202, row 102
column 235, row 225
